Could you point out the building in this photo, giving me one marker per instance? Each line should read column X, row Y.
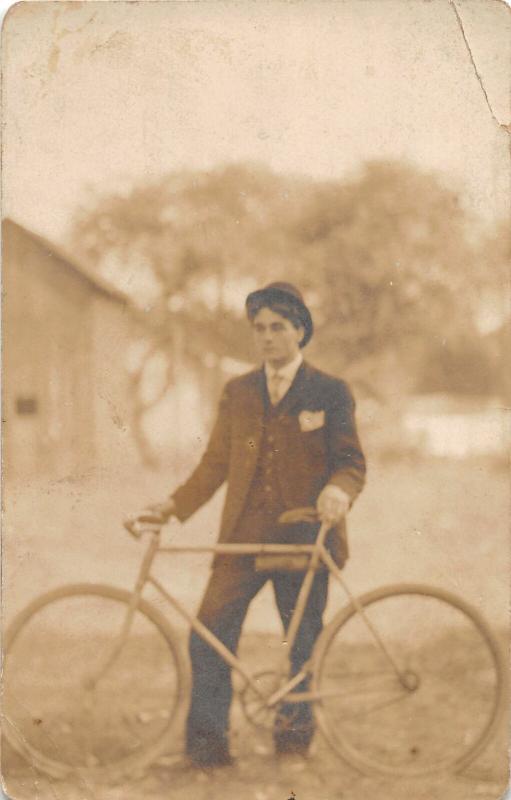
column 457, row 426
column 66, row 390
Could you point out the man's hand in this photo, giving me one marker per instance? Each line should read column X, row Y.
column 158, row 513
column 333, row 503
column 152, row 517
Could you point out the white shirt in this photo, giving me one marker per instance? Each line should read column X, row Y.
column 287, row 373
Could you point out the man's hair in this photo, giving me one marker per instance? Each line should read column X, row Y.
column 285, row 310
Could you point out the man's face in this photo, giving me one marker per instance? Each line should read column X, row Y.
column 276, row 338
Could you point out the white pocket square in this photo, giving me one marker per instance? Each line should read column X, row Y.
column 311, row 420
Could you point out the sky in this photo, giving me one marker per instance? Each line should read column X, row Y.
column 99, row 95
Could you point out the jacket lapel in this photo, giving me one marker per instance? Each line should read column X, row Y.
column 255, row 396
column 251, row 414
column 298, row 391
column 254, row 408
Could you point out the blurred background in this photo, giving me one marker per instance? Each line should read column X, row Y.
column 160, row 161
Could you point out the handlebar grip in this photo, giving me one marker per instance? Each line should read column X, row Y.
column 130, row 526
column 136, row 529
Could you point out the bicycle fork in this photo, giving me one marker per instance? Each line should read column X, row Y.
column 92, row 680
column 408, row 680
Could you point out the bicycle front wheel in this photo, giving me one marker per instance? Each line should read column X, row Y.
column 67, row 714
column 437, row 710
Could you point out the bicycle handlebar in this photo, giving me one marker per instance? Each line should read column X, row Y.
column 292, row 517
column 135, row 529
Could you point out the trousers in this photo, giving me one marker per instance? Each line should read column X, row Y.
column 230, row 590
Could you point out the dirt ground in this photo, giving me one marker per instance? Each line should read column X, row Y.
column 260, row 775
column 440, row 523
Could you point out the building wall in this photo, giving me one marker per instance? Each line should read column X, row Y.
column 63, row 364
column 453, row 427
column 112, row 394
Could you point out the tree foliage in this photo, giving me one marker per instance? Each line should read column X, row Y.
column 383, row 257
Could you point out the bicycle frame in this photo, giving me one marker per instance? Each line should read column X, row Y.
column 318, row 555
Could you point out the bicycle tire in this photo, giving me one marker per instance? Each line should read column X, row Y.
column 332, row 728
column 163, row 639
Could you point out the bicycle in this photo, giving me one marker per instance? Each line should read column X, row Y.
column 379, row 695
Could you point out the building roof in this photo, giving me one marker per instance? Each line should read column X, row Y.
column 95, row 281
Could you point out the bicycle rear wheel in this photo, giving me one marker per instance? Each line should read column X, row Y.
column 56, row 718
column 453, row 669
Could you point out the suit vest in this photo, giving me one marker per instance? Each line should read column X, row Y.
column 265, row 491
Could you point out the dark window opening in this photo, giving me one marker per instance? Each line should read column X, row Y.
column 26, row 405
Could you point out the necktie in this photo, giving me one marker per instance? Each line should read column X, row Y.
column 275, row 387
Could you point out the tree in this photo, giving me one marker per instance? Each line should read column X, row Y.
column 461, row 366
column 193, row 237
column 384, row 254
column 381, row 257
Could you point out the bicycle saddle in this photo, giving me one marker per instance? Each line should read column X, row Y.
column 294, row 515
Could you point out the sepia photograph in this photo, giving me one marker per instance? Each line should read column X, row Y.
column 256, row 399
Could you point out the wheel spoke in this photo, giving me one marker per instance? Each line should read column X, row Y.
column 52, row 651
column 443, row 712
column 383, row 704
column 370, row 686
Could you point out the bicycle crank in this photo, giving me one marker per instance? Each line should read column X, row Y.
column 254, row 706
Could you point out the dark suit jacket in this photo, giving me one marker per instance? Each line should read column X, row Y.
column 307, row 461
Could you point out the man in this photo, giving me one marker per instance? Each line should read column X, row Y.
column 284, row 438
